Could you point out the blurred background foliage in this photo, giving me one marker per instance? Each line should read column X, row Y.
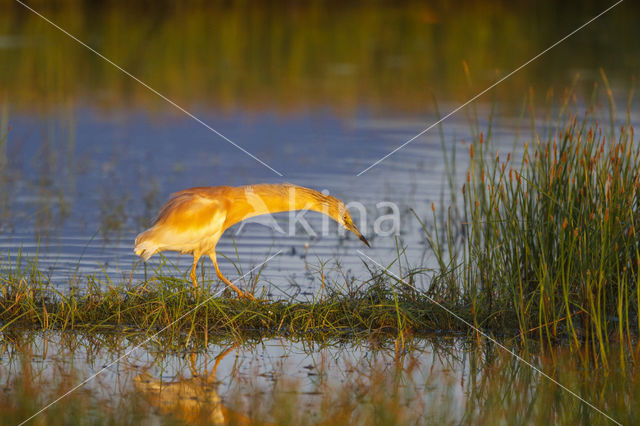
column 289, row 55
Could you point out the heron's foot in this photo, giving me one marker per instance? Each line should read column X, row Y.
column 253, row 299
column 246, row 295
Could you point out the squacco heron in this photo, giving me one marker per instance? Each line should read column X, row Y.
column 193, row 220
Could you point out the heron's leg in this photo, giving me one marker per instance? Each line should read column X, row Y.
column 196, row 257
column 192, row 362
column 226, row 281
column 212, row 375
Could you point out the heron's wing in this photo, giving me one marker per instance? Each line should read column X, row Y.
column 188, row 210
column 190, row 222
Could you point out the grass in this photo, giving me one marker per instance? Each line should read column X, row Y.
column 548, row 242
column 28, row 299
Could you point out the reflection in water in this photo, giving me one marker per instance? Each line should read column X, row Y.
column 435, row 381
column 291, row 56
column 4, row 172
column 192, row 399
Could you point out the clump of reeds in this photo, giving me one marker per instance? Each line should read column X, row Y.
column 549, row 240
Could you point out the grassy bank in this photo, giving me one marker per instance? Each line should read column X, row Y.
column 380, row 307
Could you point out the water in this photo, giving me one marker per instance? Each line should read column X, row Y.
column 226, row 373
column 440, row 380
column 86, row 213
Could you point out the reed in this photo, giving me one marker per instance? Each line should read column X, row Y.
column 548, row 242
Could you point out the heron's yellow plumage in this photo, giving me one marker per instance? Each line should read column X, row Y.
column 188, row 223
column 193, row 220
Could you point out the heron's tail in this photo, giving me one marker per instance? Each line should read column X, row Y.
column 145, row 247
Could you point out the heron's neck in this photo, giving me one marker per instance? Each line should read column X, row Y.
column 256, row 200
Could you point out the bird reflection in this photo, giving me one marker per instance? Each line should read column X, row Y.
column 190, row 400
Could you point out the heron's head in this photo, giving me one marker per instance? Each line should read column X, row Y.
column 344, row 219
column 305, row 198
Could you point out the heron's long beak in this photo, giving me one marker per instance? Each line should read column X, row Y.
column 359, row 235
